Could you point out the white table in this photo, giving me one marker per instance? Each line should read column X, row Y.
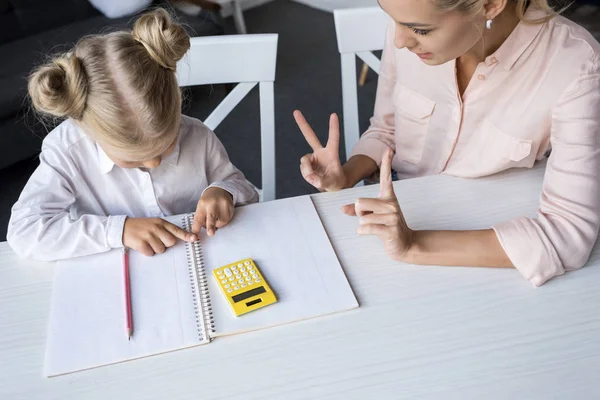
column 427, row 332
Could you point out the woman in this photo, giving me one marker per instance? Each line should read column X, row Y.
column 470, row 88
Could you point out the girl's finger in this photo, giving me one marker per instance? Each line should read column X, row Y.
column 211, row 221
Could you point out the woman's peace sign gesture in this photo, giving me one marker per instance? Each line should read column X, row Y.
column 322, row 168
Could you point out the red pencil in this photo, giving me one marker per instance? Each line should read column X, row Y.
column 127, row 294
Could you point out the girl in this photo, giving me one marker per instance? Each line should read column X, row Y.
column 125, row 156
column 470, row 88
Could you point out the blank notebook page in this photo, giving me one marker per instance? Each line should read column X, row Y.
column 87, row 320
column 288, row 243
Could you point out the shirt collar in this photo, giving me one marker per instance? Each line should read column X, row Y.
column 518, row 41
column 106, row 164
column 173, row 158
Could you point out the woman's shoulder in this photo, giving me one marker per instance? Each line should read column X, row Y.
column 575, row 44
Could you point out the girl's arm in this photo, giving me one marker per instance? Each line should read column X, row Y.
column 221, row 173
column 40, row 225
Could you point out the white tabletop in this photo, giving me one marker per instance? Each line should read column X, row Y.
column 427, row 332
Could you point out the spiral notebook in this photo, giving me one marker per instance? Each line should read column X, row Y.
column 176, row 302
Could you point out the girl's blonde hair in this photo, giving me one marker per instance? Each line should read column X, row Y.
column 474, row 7
column 120, row 87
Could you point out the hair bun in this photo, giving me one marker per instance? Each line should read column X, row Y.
column 166, row 41
column 60, row 87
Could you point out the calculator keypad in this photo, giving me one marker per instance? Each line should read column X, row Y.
column 237, row 277
column 234, row 278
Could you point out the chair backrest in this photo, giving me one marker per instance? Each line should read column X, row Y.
column 359, row 31
column 247, row 60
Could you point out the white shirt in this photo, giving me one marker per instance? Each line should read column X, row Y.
column 77, row 200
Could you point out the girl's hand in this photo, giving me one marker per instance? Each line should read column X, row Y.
column 383, row 216
column 153, row 235
column 214, row 210
column 322, row 168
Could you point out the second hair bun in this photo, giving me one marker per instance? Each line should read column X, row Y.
column 165, row 40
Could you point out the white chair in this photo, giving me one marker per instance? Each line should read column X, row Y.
column 230, row 7
column 359, row 31
column 248, row 60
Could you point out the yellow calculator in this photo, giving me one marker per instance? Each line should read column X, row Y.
column 244, row 286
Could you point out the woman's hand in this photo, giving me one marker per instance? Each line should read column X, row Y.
column 322, row 168
column 382, row 216
column 150, row 236
column 214, row 211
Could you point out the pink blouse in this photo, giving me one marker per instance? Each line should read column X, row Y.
column 539, row 90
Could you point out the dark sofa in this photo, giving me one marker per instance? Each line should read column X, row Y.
column 30, row 29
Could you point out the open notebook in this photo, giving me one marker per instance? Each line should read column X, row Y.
column 175, row 300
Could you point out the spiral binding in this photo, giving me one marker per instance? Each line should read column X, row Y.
column 200, row 295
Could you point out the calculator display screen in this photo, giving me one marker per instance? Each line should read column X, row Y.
column 248, row 294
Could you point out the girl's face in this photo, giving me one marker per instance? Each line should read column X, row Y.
column 153, row 161
column 435, row 36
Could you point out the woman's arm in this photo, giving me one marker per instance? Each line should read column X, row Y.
column 558, row 240
column 465, row 248
column 563, row 234
column 380, row 136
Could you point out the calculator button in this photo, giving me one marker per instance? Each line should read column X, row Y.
column 224, row 281
column 243, row 269
column 240, row 265
column 250, row 282
column 228, row 272
column 221, row 276
column 243, row 285
column 231, row 278
column 229, row 290
column 255, row 276
column 245, row 274
column 227, row 286
column 247, row 263
column 257, row 280
column 237, row 288
column 248, row 278
column 238, row 276
column 241, row 281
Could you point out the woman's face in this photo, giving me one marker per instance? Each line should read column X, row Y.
column 435, row 36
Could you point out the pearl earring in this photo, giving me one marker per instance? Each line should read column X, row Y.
column 488, row 24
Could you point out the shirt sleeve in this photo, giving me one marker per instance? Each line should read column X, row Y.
column 223, row 174
column 562, row 236
column 380, row 135
column 40, row 225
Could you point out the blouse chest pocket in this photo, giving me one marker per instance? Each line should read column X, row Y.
column 507, row 149
column 412, row 115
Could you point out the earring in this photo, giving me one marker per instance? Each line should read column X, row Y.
column 488, row 24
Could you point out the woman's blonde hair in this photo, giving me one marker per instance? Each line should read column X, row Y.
column 474, row 7
column 120, row 87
